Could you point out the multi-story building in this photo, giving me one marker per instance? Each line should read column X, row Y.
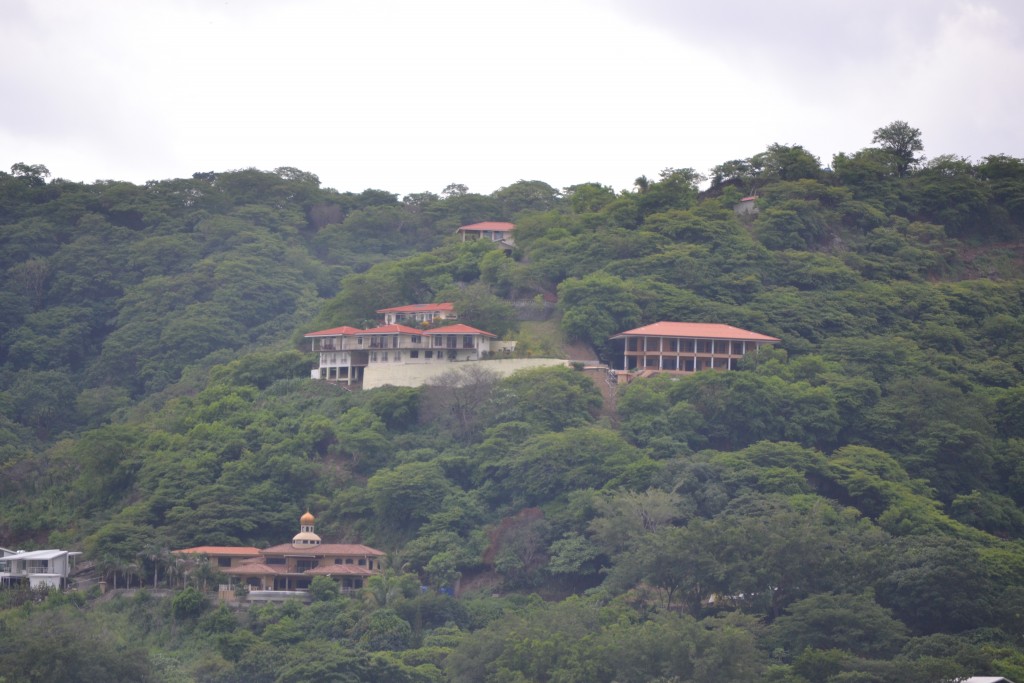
column 36, row 568
column 272, row 573
column 346, row 352
column 687, row 347
column 418, row 314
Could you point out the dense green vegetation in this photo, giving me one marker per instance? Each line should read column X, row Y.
column 846, row 507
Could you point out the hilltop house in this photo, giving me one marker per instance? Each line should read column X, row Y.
column 418, row 314
column 489, row 230
column 346, row 352
column 36, row 567
column 687, row 347
column 746, row 206
column 273, row 573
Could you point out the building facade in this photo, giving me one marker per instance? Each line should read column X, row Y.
column 493, row 231
column 687, row 347
column 418, row 314
column 274, row 572
column 36, row 568
column 345, row 353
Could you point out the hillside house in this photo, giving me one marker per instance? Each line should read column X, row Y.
column 687, row 347
column 489, row 230
column 418, row 314
column 280, row 571
column 346, row 352
column 342, row 359
column 36, row 568
column 746, row 206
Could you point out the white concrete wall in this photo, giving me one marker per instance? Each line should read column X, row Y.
column 414, row 375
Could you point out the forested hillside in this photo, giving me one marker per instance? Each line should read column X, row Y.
column 844, row 507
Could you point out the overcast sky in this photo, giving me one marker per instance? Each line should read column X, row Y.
column 409, row 96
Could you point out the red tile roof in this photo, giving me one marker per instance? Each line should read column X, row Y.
column 336, row 331
column 392, row 329
column 258, row 569
column 458, row 329
column 487, row 225
column 340, row 570
column 324, row 549
column 695, row 330
column 232, row 550
column 415, row 308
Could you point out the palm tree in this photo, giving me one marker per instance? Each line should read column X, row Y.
column 206, row 573
column 158, row 555
column 132, row 570
column 107, row 564
column 177, row 569
column 385, row 588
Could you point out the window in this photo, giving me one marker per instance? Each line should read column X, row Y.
column 398, row 356
column 359, row 341
column 348, row 560
column 439, row 340
column 362, row 562
column 394, row 341
column 467, row 341
column 384, row 356
column 415, row 354
column 416, row 339
column 223, row 561
column 373, row 356
column 427, row 354
column 275, row 560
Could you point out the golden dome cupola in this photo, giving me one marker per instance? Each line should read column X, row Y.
column 306, row 536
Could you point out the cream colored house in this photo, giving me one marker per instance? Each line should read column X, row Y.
column 687, row 347
column 345, row 353
column 418, row 314
column 272, row 573
column 493, row 231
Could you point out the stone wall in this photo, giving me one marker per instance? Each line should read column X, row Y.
column 418, row 374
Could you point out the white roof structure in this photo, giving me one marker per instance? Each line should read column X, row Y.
column 984, row 679
column 38, row 555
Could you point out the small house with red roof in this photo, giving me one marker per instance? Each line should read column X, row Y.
column 418, row 314
column 687, row 347
column 493, row 231
column 281, row 570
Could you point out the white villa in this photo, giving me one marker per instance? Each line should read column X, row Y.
column 36, row 567
column 401, row 355
column 418, row 314
column 347, row 352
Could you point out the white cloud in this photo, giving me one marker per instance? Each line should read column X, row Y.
column 409, row 96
